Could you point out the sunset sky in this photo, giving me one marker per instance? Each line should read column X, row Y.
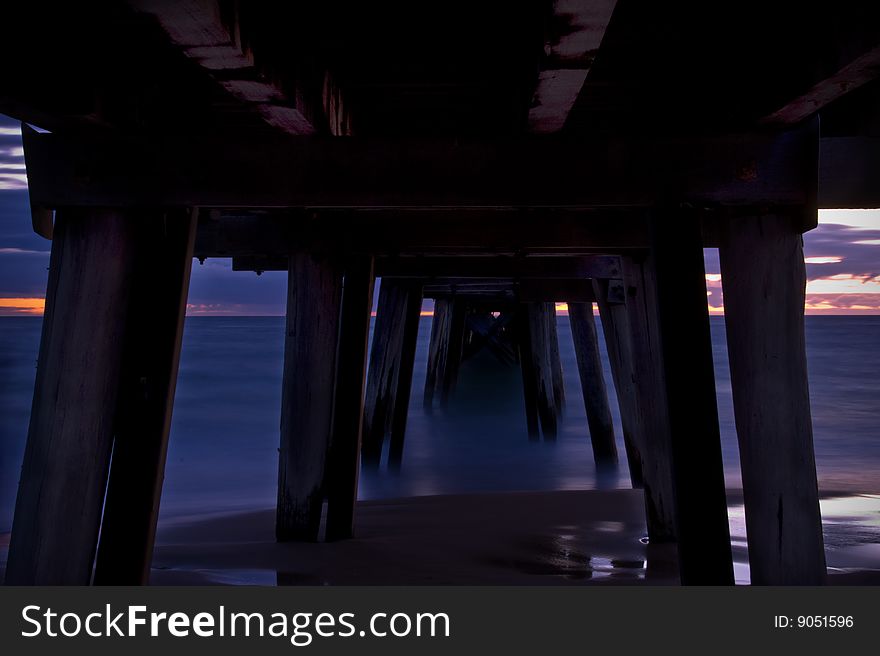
column 843, row 260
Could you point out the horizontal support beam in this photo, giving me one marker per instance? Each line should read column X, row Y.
column 261, row 241
column 428, row 268
column 740, row 170
column 524, row 290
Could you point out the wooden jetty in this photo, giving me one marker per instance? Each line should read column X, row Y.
column 495, row 157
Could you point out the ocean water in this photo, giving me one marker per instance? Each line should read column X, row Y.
column 224, row 437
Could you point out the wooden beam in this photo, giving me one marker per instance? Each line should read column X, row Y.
column 154, row 332
column 573, row 41
column 555, row 359
column 384, row 370
column 762, row 264
column 437, row 348
column 405, row 375
column 736, row 170
column 682, row 317
column 314, row 291
column 586, row 348
column 619, row 345
column 265, row 237
column 529, row 374
column 64, row 474
column 585, row 266
column 542, row 367
column 524, row 289
column 222, row 45
column 851, row 75
column 343, row 465
column 454, row 350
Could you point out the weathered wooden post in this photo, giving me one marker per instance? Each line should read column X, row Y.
column 64, row 474
column 632, row 339
column 383, row 373
column 341, row 478
column 685, row 346
column 454, row 350
column 160, row 282
column 529, row 378
column 405, row 374
column 542, row 367
column 437, row 348
column 313, row 310
column 555, row 359
column 586, row 348
column 764, row 279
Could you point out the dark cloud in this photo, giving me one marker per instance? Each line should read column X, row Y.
column 831, row 239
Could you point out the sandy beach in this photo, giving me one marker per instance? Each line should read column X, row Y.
column 565, row 538
column 544, row 538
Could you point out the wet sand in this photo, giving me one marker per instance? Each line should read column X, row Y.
column 589, row 537
column 543, row 538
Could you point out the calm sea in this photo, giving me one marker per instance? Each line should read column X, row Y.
column 224, row 438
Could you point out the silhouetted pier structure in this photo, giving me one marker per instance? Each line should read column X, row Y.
column 604, row 142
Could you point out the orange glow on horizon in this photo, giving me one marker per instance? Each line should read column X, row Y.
column 22, row 306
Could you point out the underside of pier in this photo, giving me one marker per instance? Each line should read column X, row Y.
column 496, row 157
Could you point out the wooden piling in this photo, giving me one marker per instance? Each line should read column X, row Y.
column 642, row 349
column 64, row 473
column 160, row 282
column 313, row 312
column 586, row 348
column 348, row 408
column 555, row 359
column 542, row 367
column 405, row 374
column 529, row 380
column 763, row 273
column 454, row 350
column 686, row 346
column 437, row 347
column 382, row 376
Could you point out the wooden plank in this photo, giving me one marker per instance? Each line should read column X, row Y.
column 762, row 265
column 160, row 283
column 437, row 350
column 381, row 173
column 572, row 43
column 405, row 375
column 215, row 40
column 343, row 465
column 383, row 373
column 314, row 292
column 64, row 474
column 683, row 320
column 850, row 76
column 586, row 348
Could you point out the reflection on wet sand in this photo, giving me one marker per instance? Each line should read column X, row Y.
column 545, row 538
